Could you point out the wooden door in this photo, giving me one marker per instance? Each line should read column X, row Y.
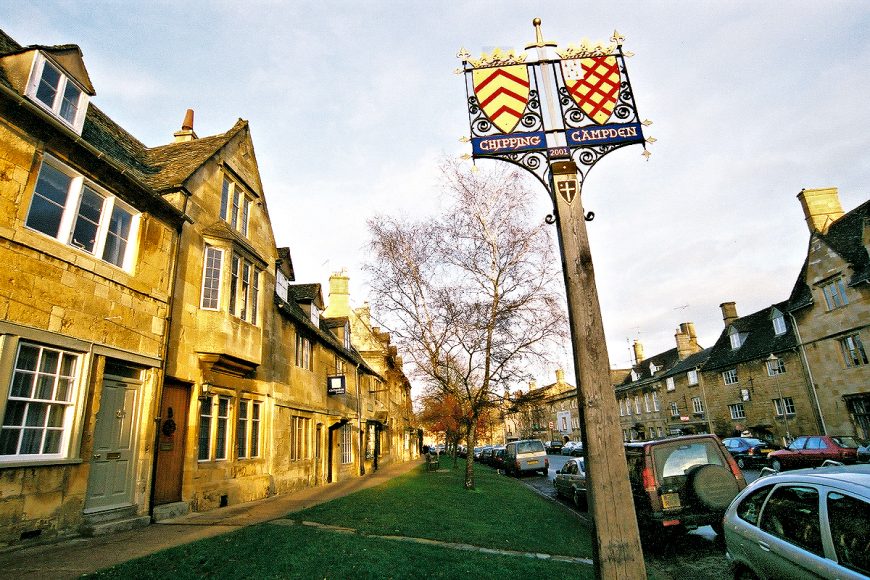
column 170, row 446
column 111, row 480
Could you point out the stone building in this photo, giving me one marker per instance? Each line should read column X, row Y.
column 830, row 304
column 88, row 247
column 156, row 355
column 648, row 393
column 754, row 378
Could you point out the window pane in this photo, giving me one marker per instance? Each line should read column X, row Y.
column 49, row 199
column 116, row 239
column 70, row 105
column 792, row 513
column 48, row 84
column 44, row 387
column 31, row 441
column 14, row 413
column 204, row 429
column 850, row 519
column 22, row 385
column 88, row 220
column 225, row 198
column 242, row 430
column 52, row 441
column 211, row 278
column 9, row 441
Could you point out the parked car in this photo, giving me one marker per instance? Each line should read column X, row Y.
column 498, row 457
column 577, row 449
column 477, row 452
column 554, row 447
column 526, row 455
column 486, row 454
column 570, row 481
column 813, row 450
column 568, row 447
column 681, row 482
column 809, row 523
column 748, row 451
column 863, row 453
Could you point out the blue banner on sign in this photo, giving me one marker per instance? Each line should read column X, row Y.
column 604, row 135
column 509, row 143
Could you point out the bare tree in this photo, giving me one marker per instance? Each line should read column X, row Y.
column 472, row 296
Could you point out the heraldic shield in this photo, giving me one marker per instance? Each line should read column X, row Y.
column 593, row 84
column 503, row 93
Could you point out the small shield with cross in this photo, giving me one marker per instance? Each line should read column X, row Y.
column 566, row 185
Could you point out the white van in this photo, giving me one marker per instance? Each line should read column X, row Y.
column 526, row 455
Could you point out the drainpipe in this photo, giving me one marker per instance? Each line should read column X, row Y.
column 805, row 363
column 158, row 395
column 360, row 456
column 707, row 410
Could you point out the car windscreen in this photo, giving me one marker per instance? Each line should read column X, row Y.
column 529, row 446
column 676, row 460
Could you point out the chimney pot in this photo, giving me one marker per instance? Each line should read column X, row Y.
column 638, row 352
column 187, row 125
column 186, row 133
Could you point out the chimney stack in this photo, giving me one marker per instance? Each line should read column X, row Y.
column 821, row 208
column 186, row 134
column 339, row 295
column 729, row 313
column 560, row 376
column 638, row 352
column 687, row 342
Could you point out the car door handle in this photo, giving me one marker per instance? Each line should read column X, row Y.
column 764, row 546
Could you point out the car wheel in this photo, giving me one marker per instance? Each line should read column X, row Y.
column 714, row 485
column 741, row 463
column 776, row 465
column 580, row 500
column 744, row 573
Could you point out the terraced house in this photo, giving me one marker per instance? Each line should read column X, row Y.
column 156, row 354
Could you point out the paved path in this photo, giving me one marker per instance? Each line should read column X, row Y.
column 72, row 558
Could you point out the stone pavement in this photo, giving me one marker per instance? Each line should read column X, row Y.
column 74, row 557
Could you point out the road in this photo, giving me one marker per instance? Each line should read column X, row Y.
column 695, row 554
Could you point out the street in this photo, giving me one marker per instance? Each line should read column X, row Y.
column 692, row 555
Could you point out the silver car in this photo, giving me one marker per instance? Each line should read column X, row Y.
column 570, row 481
column 809, row 523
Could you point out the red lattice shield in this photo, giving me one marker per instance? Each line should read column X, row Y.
column 593, row 84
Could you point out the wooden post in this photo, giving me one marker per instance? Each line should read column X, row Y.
column 618, row 552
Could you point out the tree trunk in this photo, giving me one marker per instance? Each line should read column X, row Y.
column 471, row 438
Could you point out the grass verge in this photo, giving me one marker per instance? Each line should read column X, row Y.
column 500, row 514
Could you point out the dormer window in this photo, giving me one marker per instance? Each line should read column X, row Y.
column 315, row 315
column 736, row 338
column 57, row 93
column 347, row 336
column 653, row 368
column 634, row 375
column 778, row 322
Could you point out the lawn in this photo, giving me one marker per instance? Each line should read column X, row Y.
column 501, row 514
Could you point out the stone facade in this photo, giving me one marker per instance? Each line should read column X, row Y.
column 87, row 250
column 831, row 305
column 156, row 355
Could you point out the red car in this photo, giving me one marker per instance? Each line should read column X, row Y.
column 813, row 450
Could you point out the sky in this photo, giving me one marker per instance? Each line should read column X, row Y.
column 353, row 105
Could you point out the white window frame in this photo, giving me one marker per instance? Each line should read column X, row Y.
column 692, row 377
column 779, row 324
column 248, row 429
column 637, row 404
column 729, row 377
column 303, row 352
column 223, row 420
column 775, row 367
column 22, row 394
column 70, row 214
column 737, row 410
column 853, row 351
column 835, row 294
column 655, row 400
column 212, row 262
column 669, row 384
column 784, row 404
column 300, row 438
column 346, row 443
column 244, row 289
column 735, row 338
column 40, row 61
column 646, row 402
column 697, row 405
column 628, row 407
column 621, row 408
column 675, row 411
column 235, row 205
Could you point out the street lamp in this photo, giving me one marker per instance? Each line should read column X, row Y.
column 587, row 111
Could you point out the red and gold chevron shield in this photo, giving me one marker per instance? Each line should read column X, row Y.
column 503, row 93
column 593, row 84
